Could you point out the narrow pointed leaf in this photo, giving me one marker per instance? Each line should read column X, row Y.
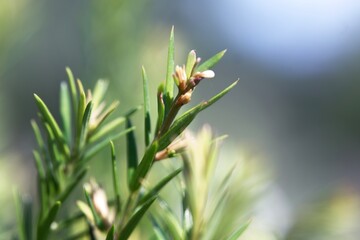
column 55, row 156
column 160, row 108
column 211, row 61
column 184, row 120
column 144, row 166
column 132, row 111
column 105, row 130
column 99, row 91
column 239, row 231
column 74, row 95
column 155, row 190
column 190, row 63
column 80, row 114
column 43, row 184
column 106, row 114
column 177, row 128
column 44, row 228
column 85, row 125
column 134, row 220
column 169, row 84
column 131, row 152
column 51, row 160
column 146, row 107
column 38, row 136
column 116, row 177
column 48, row 117
column 82, row 100
column 211, row 160
column 111, row 234
column 65, row 111
column 39, row 165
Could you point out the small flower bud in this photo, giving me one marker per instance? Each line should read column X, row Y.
column 204, row 74
column 100, row 202
column 178, row 145
column 208, row 74
column 185, row 98
column 180, row 78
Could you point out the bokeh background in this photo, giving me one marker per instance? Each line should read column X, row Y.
column 296, row 107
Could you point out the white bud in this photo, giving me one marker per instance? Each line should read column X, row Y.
column 100, row 202
column 208, row 74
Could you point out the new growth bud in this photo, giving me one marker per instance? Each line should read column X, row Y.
column 100, row 203
column 186, row 80
column 177, row 146
column 185, row 98
column 205, row 74
column 180, row 78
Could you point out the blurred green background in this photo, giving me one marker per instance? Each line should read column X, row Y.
column 296, row 108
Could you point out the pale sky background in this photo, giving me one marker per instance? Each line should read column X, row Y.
column 297, row 37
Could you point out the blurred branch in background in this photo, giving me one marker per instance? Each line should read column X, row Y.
column 219, row 193
column 335, row 216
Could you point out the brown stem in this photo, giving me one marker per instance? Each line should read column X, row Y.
column 169, row 118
